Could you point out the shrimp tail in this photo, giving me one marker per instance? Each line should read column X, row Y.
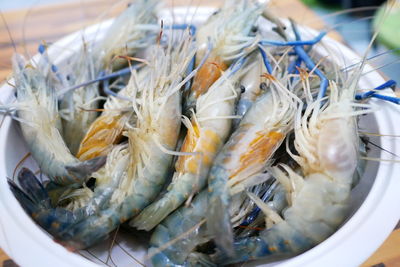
column 36, row 202
column 278, row 243
column 218, row 223
column 152, row 215
column 182, row 231
column 26, row 201
column 29, row 183
column 85, row 168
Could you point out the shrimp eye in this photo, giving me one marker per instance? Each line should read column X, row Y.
column 91, row 183
column 242, row 89
column 254, row 29
column 263, row 86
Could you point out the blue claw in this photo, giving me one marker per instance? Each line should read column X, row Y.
column 387, row 84
column 310, row 63
column 392, row 99
column 191, row 28
column 237, row 65
column 265, row 60
column 101, row 77
column 302, row 56
column 298, row 42
column 41, row 48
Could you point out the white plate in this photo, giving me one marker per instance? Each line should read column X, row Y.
column 374, row 205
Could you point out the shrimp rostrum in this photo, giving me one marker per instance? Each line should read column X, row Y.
column 319, row 198
column 40, row 123
column 135, row 172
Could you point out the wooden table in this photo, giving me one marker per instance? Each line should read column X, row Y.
column 30, row 27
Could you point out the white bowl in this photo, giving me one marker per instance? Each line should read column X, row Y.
column 374, row 204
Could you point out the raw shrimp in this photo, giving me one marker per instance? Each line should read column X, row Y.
column 246, row 153
column 126, row 36
column 228, row 32
column 134, row 174
column 40, row 124
column 207, row 132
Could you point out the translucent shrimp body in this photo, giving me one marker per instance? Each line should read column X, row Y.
column 228, row 31
column 40, row 124
column 319, row 200
column 206, row 134
column 246, row 153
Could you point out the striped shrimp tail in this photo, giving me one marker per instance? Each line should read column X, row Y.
column 279, row 242
column 153, row 214
column 36, row 202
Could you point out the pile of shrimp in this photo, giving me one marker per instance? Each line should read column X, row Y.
column 216, row 139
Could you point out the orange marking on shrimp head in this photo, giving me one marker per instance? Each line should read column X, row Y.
column 207, row 75
column 104, row 132
column 259, row 150
column 204, row 141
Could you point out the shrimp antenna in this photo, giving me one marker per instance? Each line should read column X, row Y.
column 383, row 149
column 127, row 253
column 349, row 67
column 8, row 31
column 109, row 257
column 176, row 239
column 354, row 82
